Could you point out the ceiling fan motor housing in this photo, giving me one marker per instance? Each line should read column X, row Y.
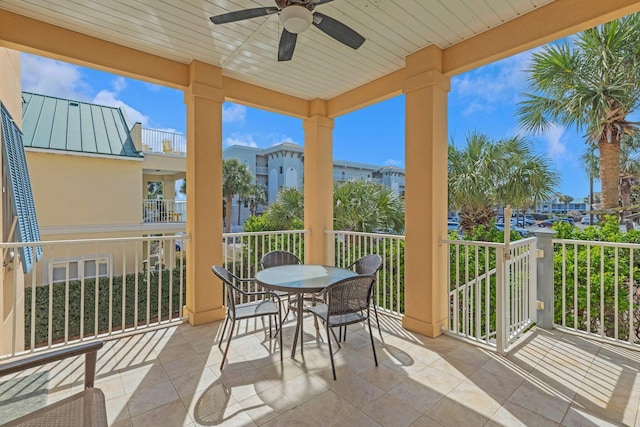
column 296, row 18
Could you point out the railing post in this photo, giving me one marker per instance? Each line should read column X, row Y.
column 501, row 305
column 544, row 246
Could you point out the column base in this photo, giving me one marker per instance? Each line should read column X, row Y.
column 203, row 317
column 431, row 330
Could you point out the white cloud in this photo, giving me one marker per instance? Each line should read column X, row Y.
column 245, row 140
column 392, row 162
column 485, row 88
column 234, row 113
column 119, row 84
column 556, row 147
column 53, row 78
column 105, row 97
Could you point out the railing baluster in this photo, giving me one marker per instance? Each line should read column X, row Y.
column 631, row 308
column 615, row 295
column 588, row 287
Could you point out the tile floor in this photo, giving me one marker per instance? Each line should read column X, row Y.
column 171, row 377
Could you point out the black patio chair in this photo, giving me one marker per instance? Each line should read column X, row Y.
column 348, row 302
column 275, row 259
column 268, row 306
column 369, row 265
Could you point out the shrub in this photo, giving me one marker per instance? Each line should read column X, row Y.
column 107, row 290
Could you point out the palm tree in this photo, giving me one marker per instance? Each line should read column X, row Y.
column 591, row 166
column 488, row 173
column 592, row 84
column 566, row 199
column 366, row 206
column 357, row 206
column 287, row 212
column 236, row 179
column 629, row 168
column 529, row 178
column 255, row 196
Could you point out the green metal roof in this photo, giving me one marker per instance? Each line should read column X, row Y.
column 66, row 125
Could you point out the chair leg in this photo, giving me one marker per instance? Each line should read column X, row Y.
column 224, row 356
column 375, row 311
column 224, row 328
column 333, row 366
column 334, row 336
column 279, row 330
column 375, row 358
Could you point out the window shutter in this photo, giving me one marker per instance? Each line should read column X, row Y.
column 19, row 188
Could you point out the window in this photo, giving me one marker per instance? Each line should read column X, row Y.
column 78, row 269
column 280, row 169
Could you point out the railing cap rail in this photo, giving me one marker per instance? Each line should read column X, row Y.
column 597, row 243
column 359, row 233
column 84, row 241
column 265, row 233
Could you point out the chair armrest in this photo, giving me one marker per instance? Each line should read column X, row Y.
column 90, row 350
column 273, row 294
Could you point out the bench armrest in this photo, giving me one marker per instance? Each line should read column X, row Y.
column 90, row 350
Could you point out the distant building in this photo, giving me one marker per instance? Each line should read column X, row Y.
column 555, row 206
column 282, row 165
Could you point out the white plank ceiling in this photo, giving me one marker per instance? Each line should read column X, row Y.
column 247, row 50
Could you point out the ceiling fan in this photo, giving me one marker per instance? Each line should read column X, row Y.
column 296, row 16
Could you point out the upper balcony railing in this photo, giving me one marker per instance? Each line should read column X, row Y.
column 92, row 289
column 163, row 211
column 157, row 141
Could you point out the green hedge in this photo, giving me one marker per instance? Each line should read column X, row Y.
column 107, row 291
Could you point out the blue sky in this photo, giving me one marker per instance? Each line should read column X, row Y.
column 483, row 100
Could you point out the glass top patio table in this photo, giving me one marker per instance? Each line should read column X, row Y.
column 301, row 279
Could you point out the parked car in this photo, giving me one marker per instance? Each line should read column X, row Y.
column 528, row 220
column 453, row 225
column 585, row 220
column 549, row 222
column 522, row 231
column 517, row 222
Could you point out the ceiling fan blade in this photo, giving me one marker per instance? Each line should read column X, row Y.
column 338, row 30
column 287, row 45
column 243, row 14
column 319, row 2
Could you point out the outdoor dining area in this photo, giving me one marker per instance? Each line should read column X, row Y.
column 299, row 352
column 172, row 377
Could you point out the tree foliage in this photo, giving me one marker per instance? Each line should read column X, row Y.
column 236, row 180
column 591, row 83
column 363, row 206
column 487, row 173
column 597, row 279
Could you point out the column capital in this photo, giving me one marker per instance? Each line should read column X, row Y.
column 429, row 58
column 205, row 81
column 317, row 121
column 425, row 79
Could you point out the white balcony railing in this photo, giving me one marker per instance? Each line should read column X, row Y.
column 349, row 246
column 88, row 289
column 491, row 290
column 157, row 141
column 596, row 289
column 162, row 210
column 242, row 252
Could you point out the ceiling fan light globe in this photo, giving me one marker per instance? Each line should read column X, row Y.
column 296, row 19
